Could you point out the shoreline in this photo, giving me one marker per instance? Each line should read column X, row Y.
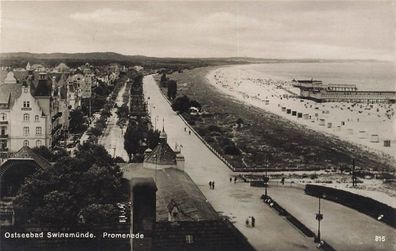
column 329, row 118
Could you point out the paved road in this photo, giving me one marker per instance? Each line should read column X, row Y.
column 342, row 227
column 235, row 200
column 113, row 137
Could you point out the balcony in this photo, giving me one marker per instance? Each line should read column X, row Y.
column 3, row 136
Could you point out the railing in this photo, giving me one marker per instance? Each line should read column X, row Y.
column 3, row 136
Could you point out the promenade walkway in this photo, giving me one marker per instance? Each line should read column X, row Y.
column 238, row 201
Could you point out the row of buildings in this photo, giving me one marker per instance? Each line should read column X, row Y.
column 35, row 103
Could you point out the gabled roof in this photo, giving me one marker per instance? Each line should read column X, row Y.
column 162, row 154
column 27, row 153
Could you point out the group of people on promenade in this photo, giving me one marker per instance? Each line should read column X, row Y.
column 189, row 131
column 250, row 221
column 211, row 185
column 233, row 179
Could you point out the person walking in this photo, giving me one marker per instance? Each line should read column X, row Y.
column 189, row 132
column 185, row 129
column 253, row 221
column 210, row 184
column 213, row 185
column 230, row 179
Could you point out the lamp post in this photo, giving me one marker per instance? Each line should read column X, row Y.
column 266, row 179
column 319, row 217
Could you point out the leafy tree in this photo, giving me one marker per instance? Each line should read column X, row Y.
column 164, row 80
column 51, row 156
column 88, row 184
column 123, row 111
column 194, row 103
column 153, row 138
column 181, row 104
column 132, row 139
column 94, row 154
column 136, row 135
column 99, row 214
column 77, row 121
column 172, row 89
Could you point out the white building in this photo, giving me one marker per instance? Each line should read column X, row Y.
column 24, row 118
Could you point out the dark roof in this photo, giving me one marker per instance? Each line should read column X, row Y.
column 27, row 153
column 162, row 154
column 43, row 88
column 176, row 188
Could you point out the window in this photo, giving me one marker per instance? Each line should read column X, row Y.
column 36, row 118
column 38, row 130
column 26, row 117
column 3, row 116
column 26, row 143
column 38, row 143
column 25, row 131
column 26, row 104
column 189, row 239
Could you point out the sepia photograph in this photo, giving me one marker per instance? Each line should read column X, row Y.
column 198, row 125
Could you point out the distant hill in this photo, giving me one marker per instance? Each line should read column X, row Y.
column 20, row 59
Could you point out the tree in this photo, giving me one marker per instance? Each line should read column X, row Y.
column 172, row 89
column 99, row 214
column 194, row 103
column 94, row 154
column 71, row 187
column 123, row 111
column 164, row 80
column 153, row 138
column 51, row 156
column 181, row 104
column 132, row 139
column 77, row 121
column 136, row 137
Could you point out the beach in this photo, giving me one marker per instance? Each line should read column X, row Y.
column 368, row 126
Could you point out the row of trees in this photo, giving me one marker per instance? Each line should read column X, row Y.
column 171, row 86
column 74, row 191
column 105, row 113
column 139, row 135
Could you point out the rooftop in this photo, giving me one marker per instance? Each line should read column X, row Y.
column 175, row 187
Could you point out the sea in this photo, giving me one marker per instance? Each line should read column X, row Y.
column 366, row 75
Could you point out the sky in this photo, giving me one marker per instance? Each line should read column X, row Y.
column 345, row 29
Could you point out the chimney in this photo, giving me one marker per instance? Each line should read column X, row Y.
column 143, row 215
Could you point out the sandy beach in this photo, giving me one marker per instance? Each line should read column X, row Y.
column 369, row 126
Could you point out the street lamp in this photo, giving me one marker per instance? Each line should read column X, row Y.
column 266, row 179
column 319, row 217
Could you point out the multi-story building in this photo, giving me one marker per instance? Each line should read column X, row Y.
column 24, row 117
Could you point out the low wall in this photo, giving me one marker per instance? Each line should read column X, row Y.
column 298, row 224
column 358, row 202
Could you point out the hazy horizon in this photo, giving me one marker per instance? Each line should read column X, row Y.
column 344, row 30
